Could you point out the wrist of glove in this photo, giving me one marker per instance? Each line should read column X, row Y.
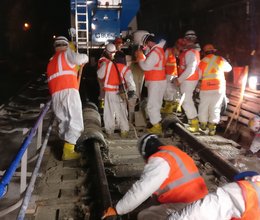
column 109, row 212
column 130, row 94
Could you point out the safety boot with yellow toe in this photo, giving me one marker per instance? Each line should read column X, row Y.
column 193, row 125
column 69, row 153
column 168, row 107
column 156, row 129
column 124, row 134
column 212, row 129
column 203, row 126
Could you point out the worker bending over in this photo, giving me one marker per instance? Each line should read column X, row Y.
column 234, row 201
column 64, row 88
column 212, row 87
column 170, row 175
column 118, row 85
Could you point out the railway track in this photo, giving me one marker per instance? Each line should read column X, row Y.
column 83, row 189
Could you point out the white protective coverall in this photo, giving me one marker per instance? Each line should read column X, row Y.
column 67, row 106
column 186, row 86
column 115, row 107
column 154, row 174
column 225, row 203
column 211, row 100
column 156, row 89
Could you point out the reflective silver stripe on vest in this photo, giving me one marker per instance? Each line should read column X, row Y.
column 187, row 176
column 257, row 189
column 55, row 75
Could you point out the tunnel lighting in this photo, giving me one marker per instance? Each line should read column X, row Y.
column 93, row 26
column 26, row 26
column 252, row 82
column 54, row 36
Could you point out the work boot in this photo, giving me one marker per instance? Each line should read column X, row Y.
column 124, row 134
column 203, row 126
column 69, row 153
column 156, row 129
column 212, row 129
column 168, row 107
column 193, row 125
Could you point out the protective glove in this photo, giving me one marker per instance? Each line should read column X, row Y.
column 175, row 81
column 139, row 55
column 130, row 94
column 110, row 212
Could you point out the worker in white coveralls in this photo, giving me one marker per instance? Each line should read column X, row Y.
column 188, row 78
column 233, row 201
column 118, row 84
column 170, row 176
column 155, row 79
column 171, row 72
column 64, row 88
column 212, row 87
column 254, row 125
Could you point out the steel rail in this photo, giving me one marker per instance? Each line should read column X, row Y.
column 104, row 189
column 205, row 152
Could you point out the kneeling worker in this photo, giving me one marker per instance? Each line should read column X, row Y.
column 170, row 175
column 234, row 201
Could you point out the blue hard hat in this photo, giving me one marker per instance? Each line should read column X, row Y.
column 243, row 175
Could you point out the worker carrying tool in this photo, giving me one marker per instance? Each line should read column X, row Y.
column 118, row 85
column 234, row 201
column 155, row 78
column 212, row 88
column 170, row 176
column 63, row 85
column 188, row 78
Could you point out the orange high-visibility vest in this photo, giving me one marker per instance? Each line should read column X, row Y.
column 60, row 74
column 213, row 77
column 182, row 64
column 171, row 64
column 184, row 183
column 158, row 71
column 111, row 79
column 251, row 195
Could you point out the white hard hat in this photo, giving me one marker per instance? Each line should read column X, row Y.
column 61, row 41
column 111, row 48
column 139, row 36
column 190, row 34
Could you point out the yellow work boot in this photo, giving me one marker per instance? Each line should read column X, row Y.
column 168, row 107
column 193, row 125
column 124, row 134
column 203, row 126
column 69, row 153
column 212, row 129
column 156, row 129
column 101, row 103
